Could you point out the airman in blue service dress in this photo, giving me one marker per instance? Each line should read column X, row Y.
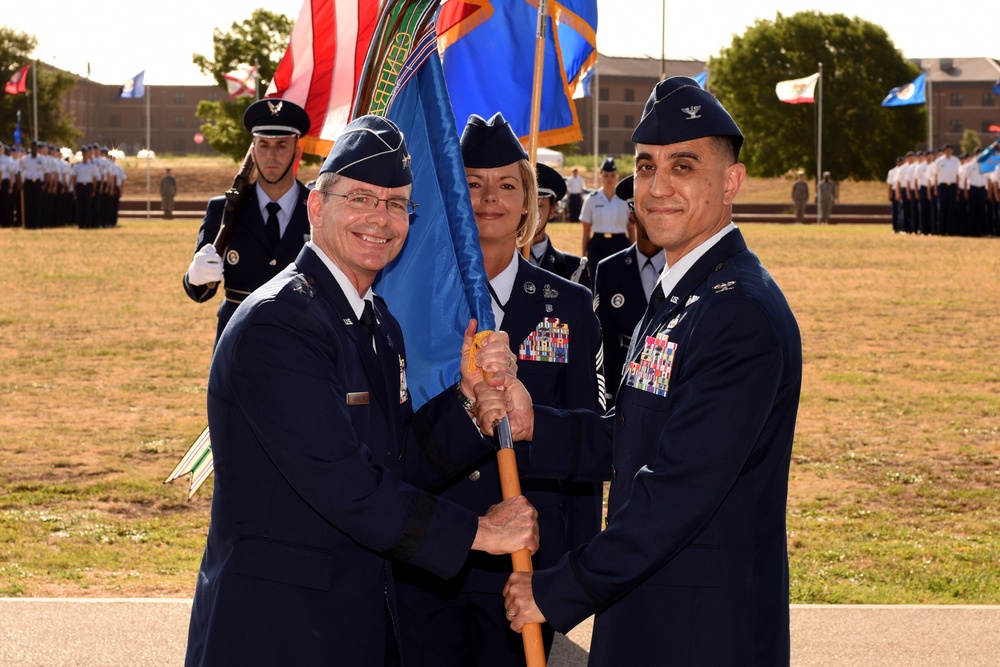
column 551, row 189
column 315, row 442
column 556, row 336
column 692, row 568
column 252, row 258
column 622, row 286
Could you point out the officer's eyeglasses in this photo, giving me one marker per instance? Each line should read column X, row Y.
column 363, row 201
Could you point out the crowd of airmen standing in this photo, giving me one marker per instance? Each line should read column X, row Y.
column 943, row 194
column 43, row 188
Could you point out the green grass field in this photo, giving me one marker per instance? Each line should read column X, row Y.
column 895, row 474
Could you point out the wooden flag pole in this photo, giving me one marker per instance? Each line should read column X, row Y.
column 536, row 94
column 510, row 486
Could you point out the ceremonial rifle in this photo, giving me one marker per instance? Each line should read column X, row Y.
column 235, row 196
column 198, row 459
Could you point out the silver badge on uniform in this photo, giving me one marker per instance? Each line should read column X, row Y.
column 550, row 293
column 232, row 257
column 724, row 287
column 628, row 260
column 618, row 300
column 691, row 299
column 529, row 288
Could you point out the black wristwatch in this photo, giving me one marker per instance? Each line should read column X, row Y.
column 467, row 403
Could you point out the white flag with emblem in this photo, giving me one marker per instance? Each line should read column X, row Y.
column 798, row 91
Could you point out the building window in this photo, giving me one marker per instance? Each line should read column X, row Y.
column 628, row 148
column 602, row 120
column 954, row 125
column 179, row 147
column 629, row 122
column 603, row 95
column 180, row 121
column 114, row 120
column 213, row 96
column 629, row 95
column 180, row 98
column 602, row 147
column 955, row 100
column 989, row 100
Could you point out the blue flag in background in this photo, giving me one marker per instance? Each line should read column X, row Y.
column 133, row 88
column 500, row 36
column 701, row 79
column 911, row 93
column 17, row 135
column 989, row 158
column 438, row 282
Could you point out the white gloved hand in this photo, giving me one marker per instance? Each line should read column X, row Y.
column 206, row 267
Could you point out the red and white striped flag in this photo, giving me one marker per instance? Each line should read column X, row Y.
column 322, row 65
column 241, row 82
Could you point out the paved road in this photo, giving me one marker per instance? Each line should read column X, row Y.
column 151, row 633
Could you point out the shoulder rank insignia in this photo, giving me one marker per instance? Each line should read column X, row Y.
column 724, row 287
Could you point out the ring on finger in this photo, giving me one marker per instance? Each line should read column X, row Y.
column 507, row 611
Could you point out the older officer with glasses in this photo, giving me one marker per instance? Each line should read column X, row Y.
column 320, row 462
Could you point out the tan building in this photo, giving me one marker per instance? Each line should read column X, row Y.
column 622, row 86
column 103, row 117
column 960, row 94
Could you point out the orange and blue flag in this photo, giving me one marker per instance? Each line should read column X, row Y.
column 488, row 54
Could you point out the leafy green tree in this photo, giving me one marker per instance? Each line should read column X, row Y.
column 970, row 141
column 861, row 138
column 260, row 39
column 15, row 52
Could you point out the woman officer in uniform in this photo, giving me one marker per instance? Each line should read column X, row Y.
column 557, row 337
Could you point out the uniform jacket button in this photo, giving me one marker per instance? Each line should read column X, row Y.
column 475, row 475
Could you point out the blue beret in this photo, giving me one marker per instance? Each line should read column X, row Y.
column 275, row 118
column 678, row 110
column 371, row 150
column 625, row 189
column 486, row 145
column 609, row 164
column 550, row 182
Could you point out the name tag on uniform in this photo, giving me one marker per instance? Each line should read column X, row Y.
column 651, row 372
column 548, row 342
column 357, row 398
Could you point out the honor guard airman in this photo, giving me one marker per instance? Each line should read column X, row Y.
column 622, row 286
column 271, row 225
column 551, row 189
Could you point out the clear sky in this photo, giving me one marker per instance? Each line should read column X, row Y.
column 119, row 38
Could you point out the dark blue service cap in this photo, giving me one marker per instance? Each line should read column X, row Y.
column 609, row 164
column 275, row 118
column 550, row 182
column 678, row 110
column 371, row 150
column 625, row 189
column 489, row 144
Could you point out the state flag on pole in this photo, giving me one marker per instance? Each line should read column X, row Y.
column 241, row 82
column 133, row 88
column 912, row 93
column 322, row 65
column 18, row 83
column 798, row 91
column 701, row 79
column 989, row 158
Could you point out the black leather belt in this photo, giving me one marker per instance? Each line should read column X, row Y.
column 236, row 296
